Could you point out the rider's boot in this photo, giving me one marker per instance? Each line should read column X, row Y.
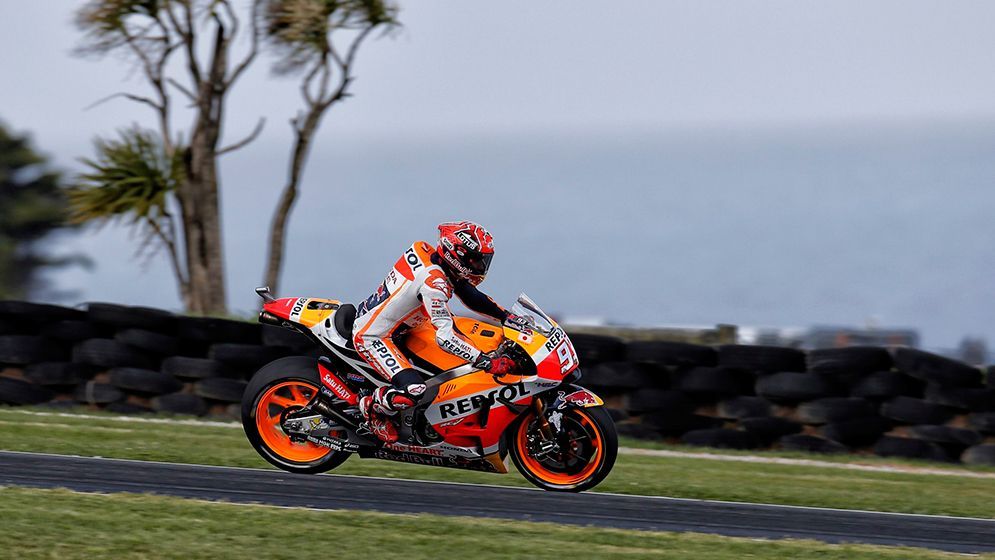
column 379, row 408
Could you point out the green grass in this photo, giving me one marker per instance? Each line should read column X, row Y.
column 664, row 476
column 65, row 525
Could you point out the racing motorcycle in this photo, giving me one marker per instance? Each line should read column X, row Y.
column 301, row 413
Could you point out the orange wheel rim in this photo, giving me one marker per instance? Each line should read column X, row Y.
column 562, row 477
column 270, row 408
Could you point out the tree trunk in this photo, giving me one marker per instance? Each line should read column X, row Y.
column 202, row 234
column 278, row 227
column 199, row 196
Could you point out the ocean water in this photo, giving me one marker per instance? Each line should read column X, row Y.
column 887, row 225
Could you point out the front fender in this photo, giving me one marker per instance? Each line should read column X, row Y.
column 566, row 395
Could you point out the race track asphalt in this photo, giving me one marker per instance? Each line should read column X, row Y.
column 88, row 474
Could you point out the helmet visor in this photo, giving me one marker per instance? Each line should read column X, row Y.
column 478, row 263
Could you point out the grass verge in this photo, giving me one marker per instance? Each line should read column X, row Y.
column 662, row 476
column 141, row 526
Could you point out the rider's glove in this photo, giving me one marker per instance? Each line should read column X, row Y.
column 495, row 365
column 518, row 322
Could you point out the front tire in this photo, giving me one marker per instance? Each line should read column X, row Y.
column 285, row 383
column 588, row 447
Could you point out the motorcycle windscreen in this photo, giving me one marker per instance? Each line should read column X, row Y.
column 525, row 307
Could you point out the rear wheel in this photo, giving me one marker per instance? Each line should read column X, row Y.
column 588, row 445
column 280, row 387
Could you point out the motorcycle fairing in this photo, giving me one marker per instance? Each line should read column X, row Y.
column 475, row 408
column 420, row 342
column 305, row 311
column 469, row 409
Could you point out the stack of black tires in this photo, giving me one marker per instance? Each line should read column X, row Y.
column 132, row 359
column 898, row 402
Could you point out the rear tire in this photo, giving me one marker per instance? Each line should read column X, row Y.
column 598, row 447
column 281, row 384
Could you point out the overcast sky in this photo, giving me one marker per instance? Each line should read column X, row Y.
column 524, row 70
column 462, row 66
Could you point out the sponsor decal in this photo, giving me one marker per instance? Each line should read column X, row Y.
column 341, row 391
column 454, row 262
column 412, row 259
column 387, row 359
column 465, row 236
column 333, row 444
column 403, row 448
column 297, row 308
column 555, row 338
column 416, row 389
column 466, row 405
column 457, row 350
column 582, row 398
column 438, row 309
column 355, row 377
column 418, row 459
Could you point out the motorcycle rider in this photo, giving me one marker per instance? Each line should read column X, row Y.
column 418, row 289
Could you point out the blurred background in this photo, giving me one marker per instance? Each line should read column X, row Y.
column 800, row 169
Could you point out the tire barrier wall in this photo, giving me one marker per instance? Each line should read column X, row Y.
column 897, row 402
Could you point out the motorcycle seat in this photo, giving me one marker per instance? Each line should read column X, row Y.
column 345, row 316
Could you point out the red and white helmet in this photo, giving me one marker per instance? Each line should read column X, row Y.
column 467, row 248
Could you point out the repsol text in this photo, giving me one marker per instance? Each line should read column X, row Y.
column 469, row 404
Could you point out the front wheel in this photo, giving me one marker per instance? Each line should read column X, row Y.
column 587, row 447
column 284, row 385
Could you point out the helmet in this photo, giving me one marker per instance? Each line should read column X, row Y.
column 467, row 249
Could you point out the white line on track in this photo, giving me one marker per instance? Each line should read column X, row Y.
column 901, row 469
column 519, row 489
column 891, row 468
column 130, row 419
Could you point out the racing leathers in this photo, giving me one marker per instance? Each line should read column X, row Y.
column 417, row 289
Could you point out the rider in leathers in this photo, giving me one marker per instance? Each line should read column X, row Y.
column 416, row 290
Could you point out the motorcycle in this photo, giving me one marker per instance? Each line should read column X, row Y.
column 301, row 414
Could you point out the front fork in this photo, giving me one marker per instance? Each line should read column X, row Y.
column 548, row 421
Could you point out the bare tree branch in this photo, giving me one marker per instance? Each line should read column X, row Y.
column 245, row 141
column 345, row 72
column 132, row 42
column 326, row 76
column 186, row 32
column 306, row 82
column 355, row 46
column 137, row 98
column 183, row 89
column 335, row 54
column 235, row 24
column 253, row 49
column 170, row 244
column 307, row 121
